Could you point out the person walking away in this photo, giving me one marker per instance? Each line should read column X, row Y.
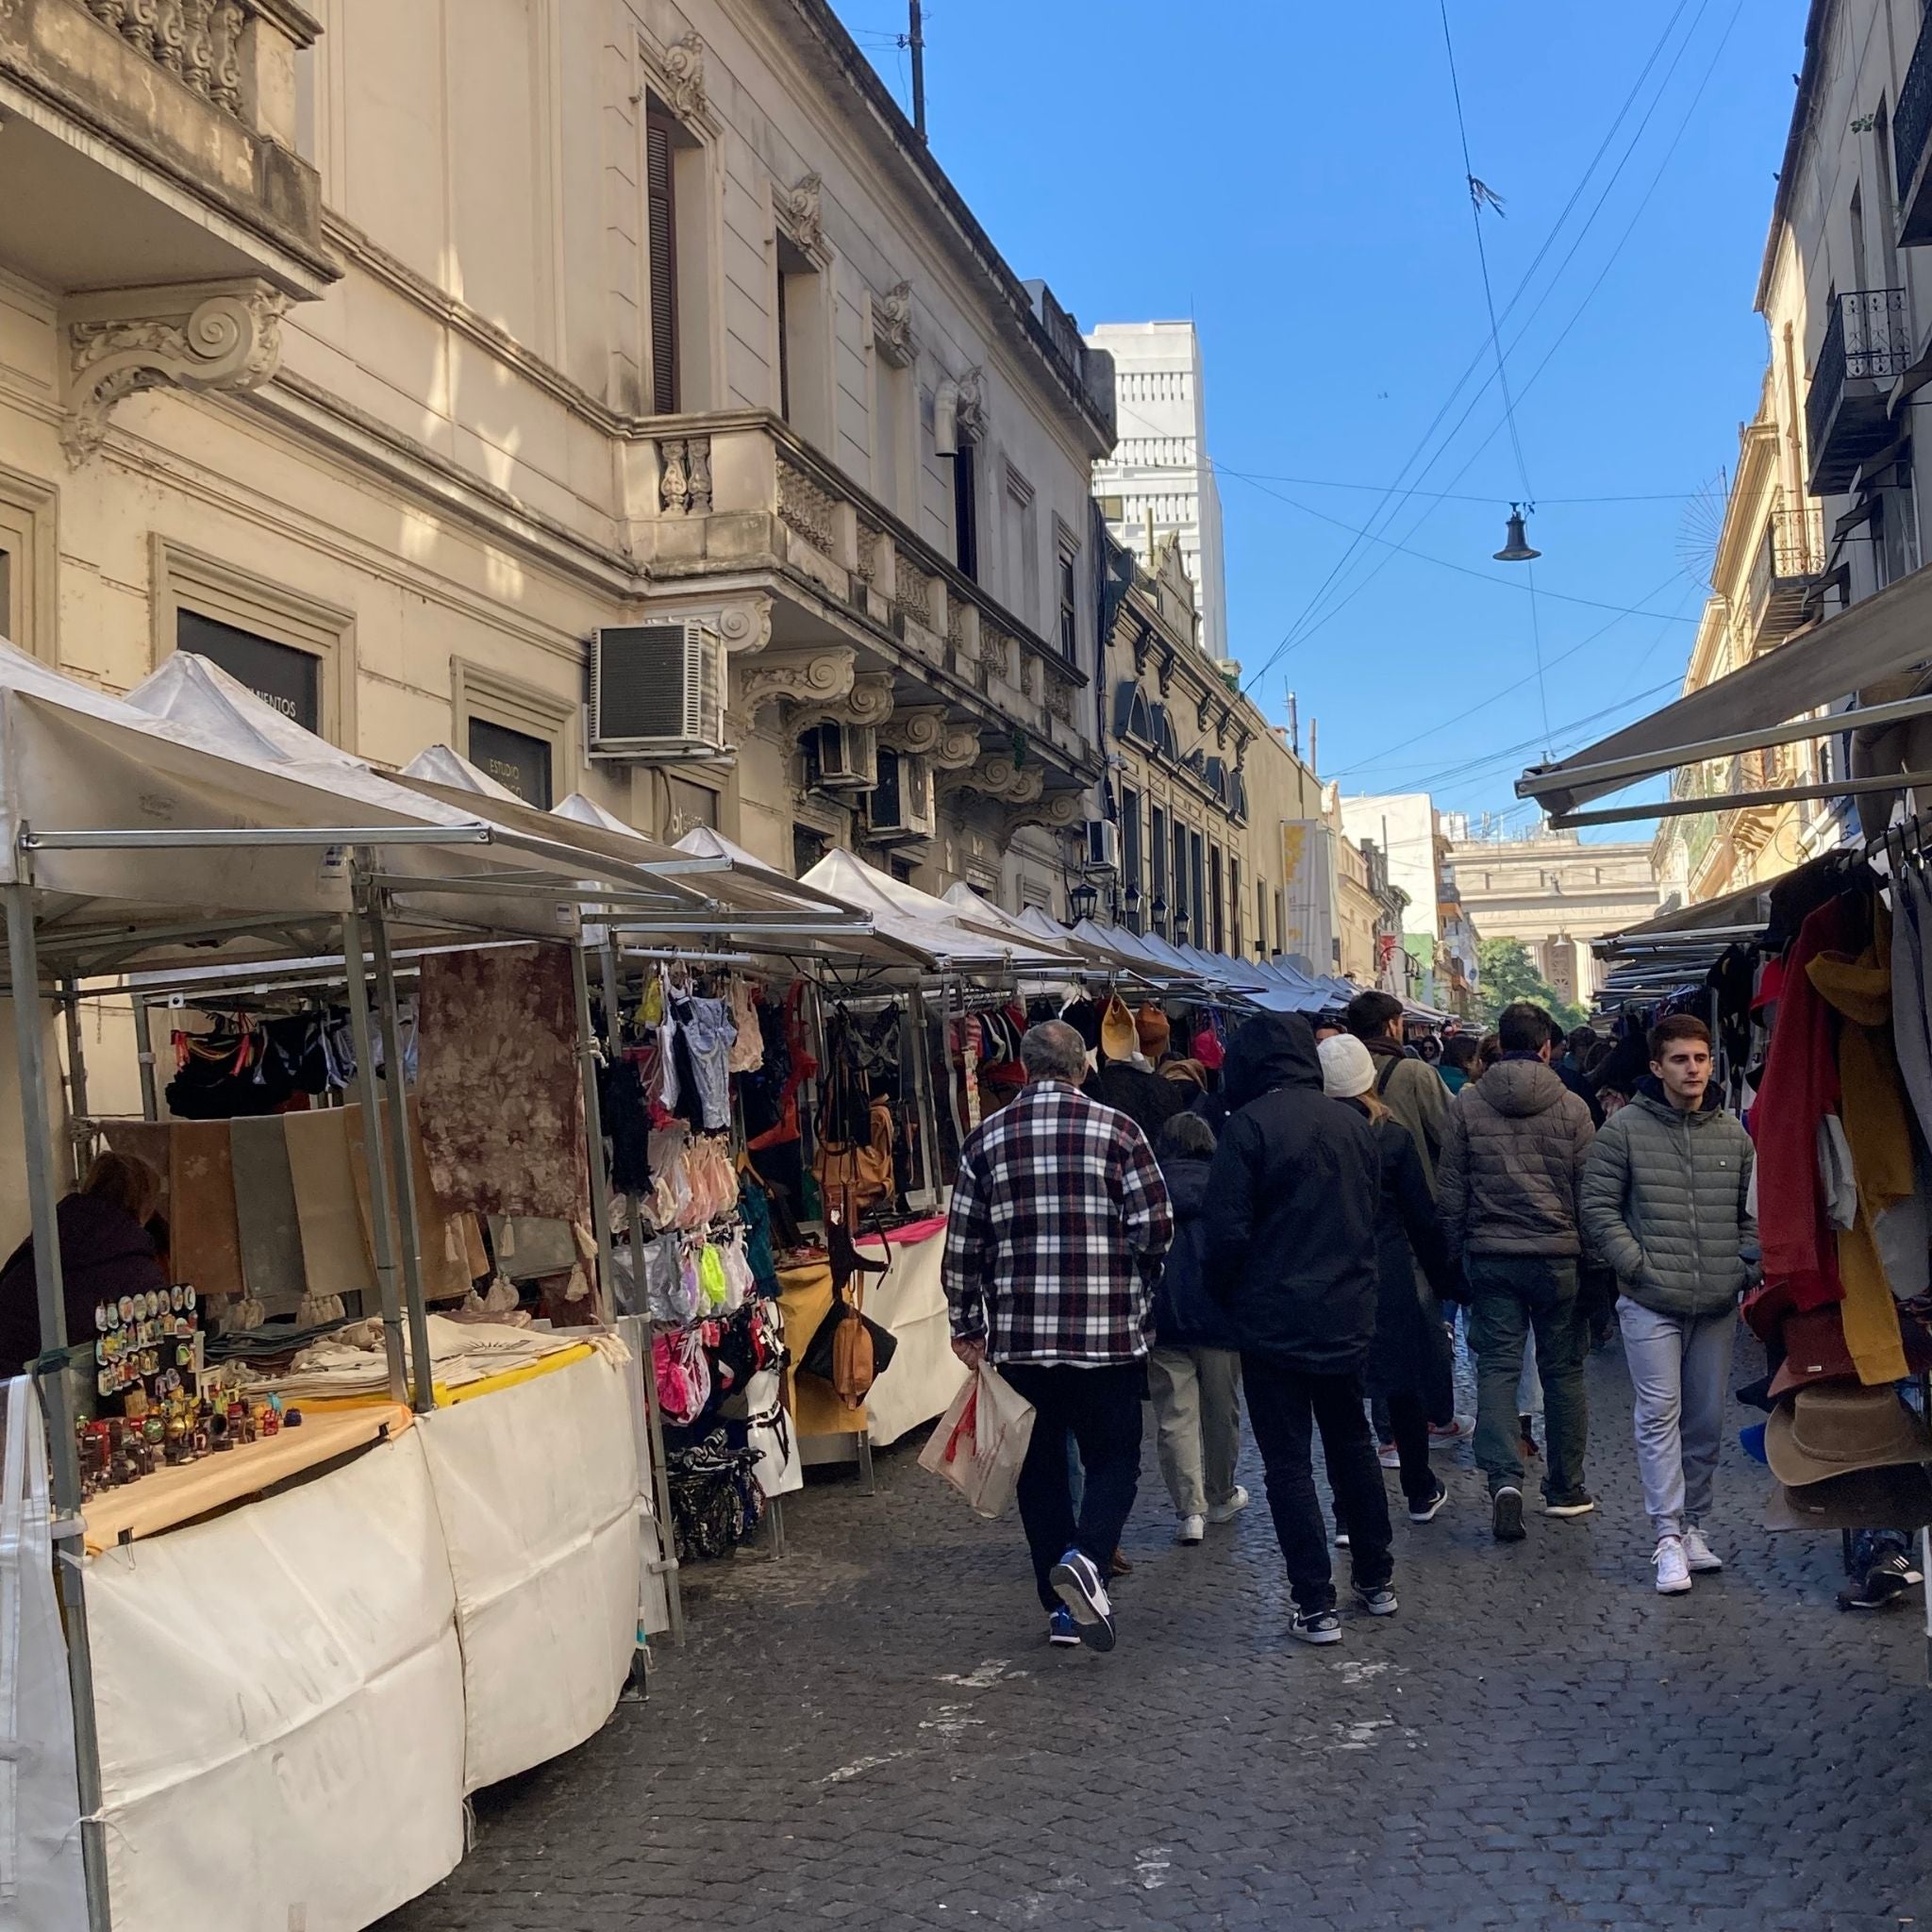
column 1409, row 1356
column 1572, row 1066
column 1058, row 1223
column 1411, row 1089
column 1512, row 1171
column 1459, row 1052
column 1195, row 1369
column 1291, row 1256
column 1665, row 1204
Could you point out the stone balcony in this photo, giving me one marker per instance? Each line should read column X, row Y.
column 151, row 143
column 737, row 500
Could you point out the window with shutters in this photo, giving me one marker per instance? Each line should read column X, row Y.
column 965, row 512
column 804, row 344
column 661, row 140
column 1234, row 900
column 1070, row 603
column 1261, row 918
column 1216, row 921
column 1157, row 854
column 1130, row 838
column 1197, row 885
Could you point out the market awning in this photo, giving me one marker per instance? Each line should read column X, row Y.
column 1762, row 703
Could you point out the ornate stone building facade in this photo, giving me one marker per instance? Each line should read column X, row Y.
column 1202, row 785
column 389, row 353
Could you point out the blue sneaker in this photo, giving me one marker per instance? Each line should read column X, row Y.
column 1061, row 1631
column 1077, row 1584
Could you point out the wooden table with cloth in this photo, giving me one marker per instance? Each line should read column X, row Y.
column 907, row 1302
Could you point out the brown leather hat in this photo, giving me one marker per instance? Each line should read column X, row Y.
column 1895, row 1498
column 1151, row 1028
column 1816, row 1351
column 1832, row 1428
column 1118, row 1039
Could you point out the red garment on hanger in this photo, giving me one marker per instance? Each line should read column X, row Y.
column 1799, row 1089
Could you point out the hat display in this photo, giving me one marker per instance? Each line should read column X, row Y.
column 1150, row 1025
column 1832, row 1428
column 1208, row 1049
column 1895, row 1498
column 1118, row 1039
column 1816, row 1351
column 1347, row 1066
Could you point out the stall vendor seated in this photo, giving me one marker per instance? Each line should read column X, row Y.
column 107, row 1251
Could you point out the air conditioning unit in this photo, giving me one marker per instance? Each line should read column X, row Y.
column 1103, row 845
column 656, row 691
column 900, row 804
column 848, row 757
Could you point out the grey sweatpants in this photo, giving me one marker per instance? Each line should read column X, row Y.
column 1680, row 1367
column 1197, row 1413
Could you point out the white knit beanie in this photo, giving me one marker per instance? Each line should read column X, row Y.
column 1347, row 1066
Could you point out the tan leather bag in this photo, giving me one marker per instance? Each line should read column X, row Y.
column 852, row 1370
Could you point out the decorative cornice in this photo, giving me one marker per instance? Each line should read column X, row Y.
column 999, row 774
column 928, row 732
column 746, row 627
column 194, row 337
column 892, row 323
column 867, row 700
column 683, row 66
column 972, row 388
column 1056, row 812
column 814, row 677
column 801, row 209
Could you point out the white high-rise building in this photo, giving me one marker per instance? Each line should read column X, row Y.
column 1160, row 466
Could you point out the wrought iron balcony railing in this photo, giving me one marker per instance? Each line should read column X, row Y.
column 1911, row 125
column 1868, row 341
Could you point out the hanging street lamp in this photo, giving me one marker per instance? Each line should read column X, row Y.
column 1516, row 543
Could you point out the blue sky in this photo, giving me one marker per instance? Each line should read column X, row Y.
column 1292, row 178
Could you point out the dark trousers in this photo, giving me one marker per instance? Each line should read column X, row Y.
column 1100, row 1407
column 1408, row 1427
column 1284, row 1407
column 1510, row 1297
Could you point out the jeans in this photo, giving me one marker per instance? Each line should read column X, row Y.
column 1197, row 1413
column 1101, row 1407
column 1510, row 1294
column 1680, row 1367
column 1282, row 1404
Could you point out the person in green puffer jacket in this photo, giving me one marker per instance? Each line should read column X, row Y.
column 1665, row 1203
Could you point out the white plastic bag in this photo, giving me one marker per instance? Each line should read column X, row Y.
column 41, row 1882
column 982, row 1442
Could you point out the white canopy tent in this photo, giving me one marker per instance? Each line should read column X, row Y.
column 923, row 924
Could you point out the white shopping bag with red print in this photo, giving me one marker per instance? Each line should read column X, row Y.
column 982, row 1442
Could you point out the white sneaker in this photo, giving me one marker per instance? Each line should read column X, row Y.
column 1673, row 1572
column 1227, row 1511
column 1191, row 1530
column 1388, row 1456
column 1698, row 1553
column 1460, row 1428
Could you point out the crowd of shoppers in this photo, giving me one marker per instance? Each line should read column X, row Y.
column 1301, row 1233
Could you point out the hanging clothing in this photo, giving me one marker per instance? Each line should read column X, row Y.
column 748, row 1040
column 1872, row 1108
column 628, row 1121
column 499, row 1094
column 204, row 1234
column 1911, row 988
column 1799, row 1089
column 705, row 1036
column 336, row 1256
column 271, row 1229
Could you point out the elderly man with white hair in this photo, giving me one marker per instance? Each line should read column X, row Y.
column 1054, row 1247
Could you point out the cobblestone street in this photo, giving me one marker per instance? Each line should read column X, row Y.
column 873, row 1732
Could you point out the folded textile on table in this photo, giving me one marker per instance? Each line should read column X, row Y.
column 351, row 1363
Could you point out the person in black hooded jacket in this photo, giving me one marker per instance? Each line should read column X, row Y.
column 1291, row 1214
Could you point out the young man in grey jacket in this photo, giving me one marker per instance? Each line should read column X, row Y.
column 1664, row 1198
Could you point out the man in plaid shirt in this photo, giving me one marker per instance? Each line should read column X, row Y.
column 1058, row 1224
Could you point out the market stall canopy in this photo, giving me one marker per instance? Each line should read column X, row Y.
column 919, row 921
column 1763, row 702
column 192, row 693
column 170, row 821
column 974, row 910
column 443, row 766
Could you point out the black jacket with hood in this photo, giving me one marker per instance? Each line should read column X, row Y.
column 1184, row 1314
column 1291, row 1202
